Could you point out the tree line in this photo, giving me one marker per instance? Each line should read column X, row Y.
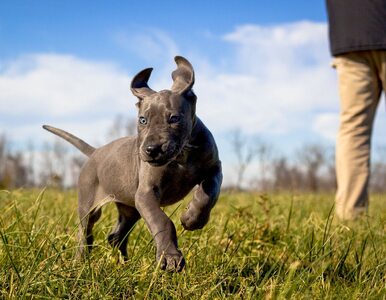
column 311, row 168
column 257, row 165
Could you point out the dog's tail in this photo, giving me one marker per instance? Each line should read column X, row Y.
column 77, row 142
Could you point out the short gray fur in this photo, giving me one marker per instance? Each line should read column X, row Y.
column 172, row 153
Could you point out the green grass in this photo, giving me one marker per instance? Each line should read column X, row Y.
column 255, row 247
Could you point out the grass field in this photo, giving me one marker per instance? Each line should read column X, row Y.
column 255, row 247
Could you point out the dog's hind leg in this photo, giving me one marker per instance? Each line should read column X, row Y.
column 86, row 238
column 89, row 193
column 128, row 216
column 204, row 198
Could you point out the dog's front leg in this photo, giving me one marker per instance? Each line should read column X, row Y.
column 162, row 229
column 205, row 197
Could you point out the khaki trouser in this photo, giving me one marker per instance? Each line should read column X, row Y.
column 362, row 76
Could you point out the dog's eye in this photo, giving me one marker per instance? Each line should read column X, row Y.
column 142, row 120
column 174, row 119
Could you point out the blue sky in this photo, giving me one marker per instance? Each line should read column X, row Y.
column 261, row 67
column 87, row 28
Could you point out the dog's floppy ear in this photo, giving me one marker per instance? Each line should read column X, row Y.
column 183, row 76
column 139, row 86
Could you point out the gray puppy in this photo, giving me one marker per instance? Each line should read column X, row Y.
column 172, row 153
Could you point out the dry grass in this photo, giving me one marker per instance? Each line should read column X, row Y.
column 255, row 247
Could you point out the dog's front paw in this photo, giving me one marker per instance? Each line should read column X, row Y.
column 171, row 262
column 194, row 219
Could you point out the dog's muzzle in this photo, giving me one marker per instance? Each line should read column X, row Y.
column 158, row 154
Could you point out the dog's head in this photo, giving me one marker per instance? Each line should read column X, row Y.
column 165, row 118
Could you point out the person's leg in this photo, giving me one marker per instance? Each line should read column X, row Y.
column 359, row 90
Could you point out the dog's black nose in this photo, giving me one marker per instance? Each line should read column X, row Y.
column 153, row 150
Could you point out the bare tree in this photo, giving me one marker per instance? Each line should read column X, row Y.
column 45, row 163
column 311, row 158
column 282, row 179
column 49, row 174
column 330, row 174
column 3, row 157
column 245, row 152
column 60, row 157
column 287, row 176
column 115, row 130
column 13, row 172
column 76, row 164
column 16, row 170
column 122, row 127
column 378, row 171
column 131, row 126
column 264, row 154
column 30, row 163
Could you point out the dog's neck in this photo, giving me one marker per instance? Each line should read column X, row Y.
column 189, row 144
column 195, row 131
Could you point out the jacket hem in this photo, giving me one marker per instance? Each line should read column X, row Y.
column 338, row 51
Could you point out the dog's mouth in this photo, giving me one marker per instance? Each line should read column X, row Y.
column 158, row 163
column 162, row 158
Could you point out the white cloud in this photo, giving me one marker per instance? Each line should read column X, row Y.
column 326, row 125
column 157, row 48
column 64, row 90
column 61, row 85
column 281, row 75
column 92, row 131
column 151, row 43
column 276, row 76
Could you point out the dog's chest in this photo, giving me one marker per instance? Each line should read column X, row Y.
column 177, row 181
